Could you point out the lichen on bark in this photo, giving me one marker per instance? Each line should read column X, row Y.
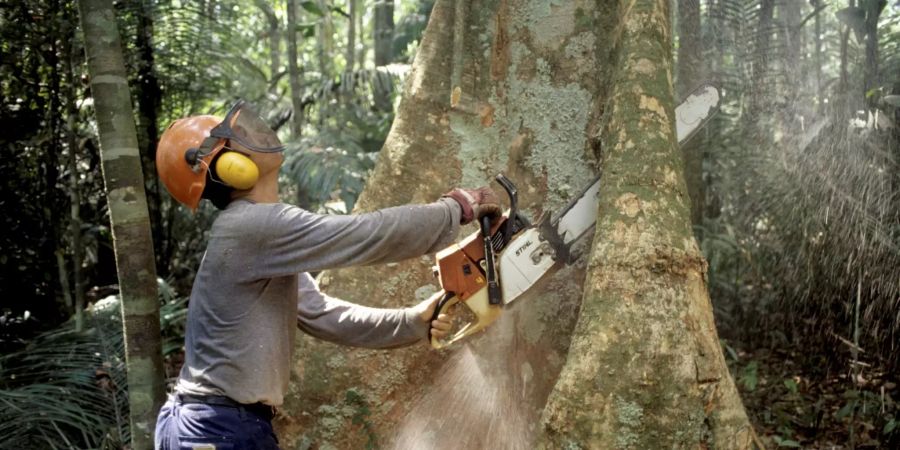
column 528, row 80
column 644, row 369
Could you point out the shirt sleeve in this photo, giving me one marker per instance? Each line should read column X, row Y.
column 295, row 240
column 346, row 323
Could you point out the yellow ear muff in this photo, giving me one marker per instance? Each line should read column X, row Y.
column 237, row 170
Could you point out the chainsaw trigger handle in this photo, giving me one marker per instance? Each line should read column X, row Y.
column 478, row 304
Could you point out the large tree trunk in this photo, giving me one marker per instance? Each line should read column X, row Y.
column 645, row 369
column 529, row 104
column 121, row 162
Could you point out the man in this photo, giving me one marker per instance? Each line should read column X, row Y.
column 253, row 286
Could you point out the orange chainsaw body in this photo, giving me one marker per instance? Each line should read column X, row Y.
column 458, row 268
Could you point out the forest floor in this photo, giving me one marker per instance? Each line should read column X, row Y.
column 801, row 398
column 798, row 397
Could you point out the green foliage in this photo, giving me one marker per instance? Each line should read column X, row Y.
column 347, row 129
column 68, row 389
column 801, row 210
column 749, row 378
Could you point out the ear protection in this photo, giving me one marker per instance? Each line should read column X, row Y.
column 232, row 168
column 236, row 170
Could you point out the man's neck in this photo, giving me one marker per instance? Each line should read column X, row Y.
column 264, row 191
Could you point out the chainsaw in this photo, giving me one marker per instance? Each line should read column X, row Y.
column 497, row 264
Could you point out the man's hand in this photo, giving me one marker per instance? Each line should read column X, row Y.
column 439, row 327
column 476, row 203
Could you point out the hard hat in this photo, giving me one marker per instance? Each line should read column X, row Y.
column 178, row 161
column 188, row 147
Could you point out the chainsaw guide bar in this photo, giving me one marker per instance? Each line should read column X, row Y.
column 522, row 253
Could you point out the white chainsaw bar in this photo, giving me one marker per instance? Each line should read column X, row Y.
column 536, row 250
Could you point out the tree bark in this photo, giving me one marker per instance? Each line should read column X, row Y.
column 274, row 40
column 690, row 73
column 383, row 37
column 760, row 57
column 870, row 73
column 645, row 369
column 383, row 31
column 121, row 163
column 817, row 39
column 149, row 98
column 351, row 36
column 74, row 187
column 324, row 39
column 529, row 105
column 294, row 70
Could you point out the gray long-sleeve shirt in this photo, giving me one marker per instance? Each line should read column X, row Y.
column 252, row 290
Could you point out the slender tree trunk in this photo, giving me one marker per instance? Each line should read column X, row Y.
column 149, row 100
column 351, row 36
column 760, row 78
column 845, row 102
column 383, row 37
column 645, row 369
column 817, row 39
column 55, row 244
column 794, row 50
column 74, row 187
column 121, row 162
column 294, row 70
column 870, row 73
column 324, row 39
column 383, row 31
column 274, row 40
column 690, row 74
column 361, row 34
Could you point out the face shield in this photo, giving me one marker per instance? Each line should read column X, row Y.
column 243, row 125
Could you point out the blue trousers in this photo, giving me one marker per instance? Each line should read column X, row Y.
column 197, row 426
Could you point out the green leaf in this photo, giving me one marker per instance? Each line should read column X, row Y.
column 308, row 30
column 749, row 376
column 312, row 8
column 789, row 443
column 731, row 352
column 791, row 385
column 846, row 410
column 889, row 427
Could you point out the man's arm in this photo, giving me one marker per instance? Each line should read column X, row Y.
column 345, row 323
column 294, row 240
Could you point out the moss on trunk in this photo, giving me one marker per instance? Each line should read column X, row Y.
column 130, row 221
column 644, row 369
column 526, row 81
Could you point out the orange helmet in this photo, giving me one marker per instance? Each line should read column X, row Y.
column 178, row 161
column 188, row 147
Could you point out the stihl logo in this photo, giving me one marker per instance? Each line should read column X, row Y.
column 523, row 247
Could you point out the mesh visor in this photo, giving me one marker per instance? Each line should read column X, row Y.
column 243, row 125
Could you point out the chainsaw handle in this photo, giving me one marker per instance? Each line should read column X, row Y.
column 442, row 304
column 485, row 314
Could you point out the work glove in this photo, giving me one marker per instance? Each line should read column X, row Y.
column 476, row 203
